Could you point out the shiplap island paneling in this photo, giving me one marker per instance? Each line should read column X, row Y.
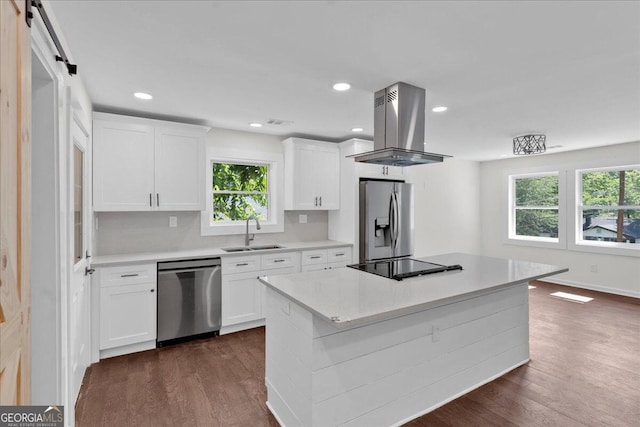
column 407, row 347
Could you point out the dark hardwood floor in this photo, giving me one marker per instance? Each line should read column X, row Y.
column 584, row 370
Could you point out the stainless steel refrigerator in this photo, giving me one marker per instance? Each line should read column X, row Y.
column 386, row 220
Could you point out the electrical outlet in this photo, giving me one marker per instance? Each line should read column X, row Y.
column 594, row 268
column 302, row 219
column 173, row 221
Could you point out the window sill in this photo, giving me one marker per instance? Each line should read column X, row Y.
column 540, row 242
column 608, row 248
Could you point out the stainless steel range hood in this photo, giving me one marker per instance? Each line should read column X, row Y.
column 398, row 134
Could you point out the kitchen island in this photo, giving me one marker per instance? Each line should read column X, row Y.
column 345, row 347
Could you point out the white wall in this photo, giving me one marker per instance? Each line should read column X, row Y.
column 447, row 197
column 131, row 232
column 615, row 273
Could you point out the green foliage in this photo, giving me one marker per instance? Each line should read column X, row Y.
column 603, row 189
column 537, row 191
column 240, row 191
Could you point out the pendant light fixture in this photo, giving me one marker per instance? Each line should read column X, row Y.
column 529, row 144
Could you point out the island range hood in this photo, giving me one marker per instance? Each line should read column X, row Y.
column 398, row 133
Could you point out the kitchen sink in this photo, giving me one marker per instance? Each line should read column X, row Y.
column 251, row 248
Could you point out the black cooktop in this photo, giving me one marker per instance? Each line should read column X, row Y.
column 401, row 268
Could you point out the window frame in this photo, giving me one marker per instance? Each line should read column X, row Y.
column 577, row 243
column 510, row 236
column 267, row 193
column 274, row 163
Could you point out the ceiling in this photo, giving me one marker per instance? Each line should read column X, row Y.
column 570, row 70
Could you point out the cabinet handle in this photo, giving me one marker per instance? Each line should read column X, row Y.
column 315, row 257
column 278, row 260
column 129, row 275
column 150, row 200
column 153, row 290
column 340, row 254
column 158, row 199
column 242, row 264
column 316, row 201
column 320, row 200
column 88, row 271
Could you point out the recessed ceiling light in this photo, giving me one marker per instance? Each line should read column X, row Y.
column 142, row 95
column 439, row 109
column 255, row 125
column 341, row 86
column 356, row 129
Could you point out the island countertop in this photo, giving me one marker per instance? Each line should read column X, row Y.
column 347, row 297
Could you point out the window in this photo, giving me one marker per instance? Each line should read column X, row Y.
column 534, row 208
column 608, row 207
column 242, row 184
column 240, row 192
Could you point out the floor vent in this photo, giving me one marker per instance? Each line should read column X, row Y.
column 571, row 297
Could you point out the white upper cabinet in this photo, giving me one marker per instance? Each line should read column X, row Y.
column 371, row 170
column 142, row 164
column 312, row 175
column 122, row 166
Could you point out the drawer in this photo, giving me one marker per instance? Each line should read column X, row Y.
column 280, row 260
column 240, row 264
column 314, row 257
column 127, row 275
column 342, row 255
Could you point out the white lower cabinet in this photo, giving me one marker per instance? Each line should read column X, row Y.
column 324, row 259
column 127, row 305
column 241, row 298
column 242, row 293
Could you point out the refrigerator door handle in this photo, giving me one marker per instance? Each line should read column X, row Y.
column 394, row 223
column 397, row 219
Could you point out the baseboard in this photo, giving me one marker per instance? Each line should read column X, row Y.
column 275, row 415
column 591, row 287
column 126, row 349
column 241, row 327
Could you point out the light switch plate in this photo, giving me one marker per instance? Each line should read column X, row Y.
column 302, row 219
column 173, row 221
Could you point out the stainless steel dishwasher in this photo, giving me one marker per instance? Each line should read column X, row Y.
column 189, row 300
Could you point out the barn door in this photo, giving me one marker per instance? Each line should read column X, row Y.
column 15, row 204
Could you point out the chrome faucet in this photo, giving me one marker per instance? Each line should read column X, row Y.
column 248, row 239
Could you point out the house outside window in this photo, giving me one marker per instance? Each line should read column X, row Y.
column 608, row 207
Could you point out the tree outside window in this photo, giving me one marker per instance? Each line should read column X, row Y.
column 240, row 191
column 609, row 208
column 534, row 207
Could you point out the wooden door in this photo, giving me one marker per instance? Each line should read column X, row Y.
column 15, row 204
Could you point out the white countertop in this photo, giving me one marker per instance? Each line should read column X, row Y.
column 348, row 297
column 104, row 260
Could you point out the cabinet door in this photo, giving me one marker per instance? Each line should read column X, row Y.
column 241, row 298
column 127, row 314
column 179, row 170
column 327, row 175
column 305, row 195
column 370, row 170
column 122, row 166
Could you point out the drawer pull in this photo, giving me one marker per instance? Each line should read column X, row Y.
column 242, row 264
column 340, row 254
column 129, row 275
column 315, row 257
column 278, row 260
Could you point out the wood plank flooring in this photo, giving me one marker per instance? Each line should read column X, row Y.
column 584, row 371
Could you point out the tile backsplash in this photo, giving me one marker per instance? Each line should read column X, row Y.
column 134, row 232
